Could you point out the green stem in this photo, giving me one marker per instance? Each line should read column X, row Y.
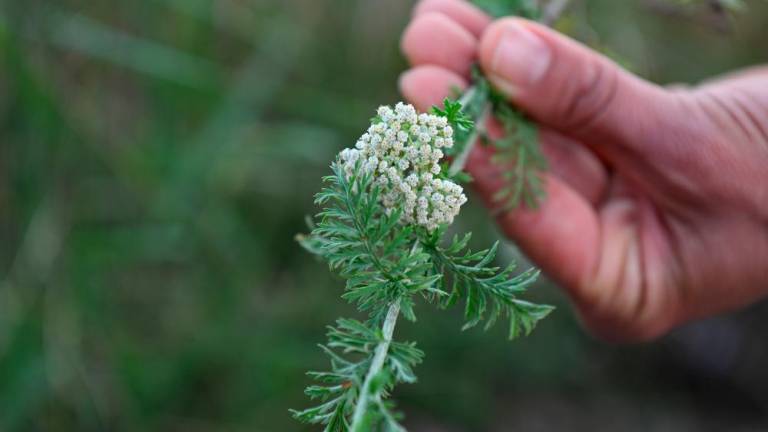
column 461, row 160
column 387, row 330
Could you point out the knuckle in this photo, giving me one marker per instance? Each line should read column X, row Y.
column 591, row 97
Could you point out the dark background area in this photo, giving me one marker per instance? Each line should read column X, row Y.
column 157, row 158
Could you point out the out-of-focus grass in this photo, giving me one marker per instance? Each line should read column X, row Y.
column 157, row 158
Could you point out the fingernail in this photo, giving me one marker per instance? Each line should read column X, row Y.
column 520, row 58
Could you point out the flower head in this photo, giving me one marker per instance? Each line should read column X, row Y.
column 402, row 149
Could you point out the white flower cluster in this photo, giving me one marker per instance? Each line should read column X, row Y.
column 403, row 151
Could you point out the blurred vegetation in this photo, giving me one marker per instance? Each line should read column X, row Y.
column 157, row 158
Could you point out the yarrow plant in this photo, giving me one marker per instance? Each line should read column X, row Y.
column 387, row 207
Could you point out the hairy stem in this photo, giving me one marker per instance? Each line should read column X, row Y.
column 387, row 329
column 461, row 160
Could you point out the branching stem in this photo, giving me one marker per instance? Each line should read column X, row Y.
column 387, row 330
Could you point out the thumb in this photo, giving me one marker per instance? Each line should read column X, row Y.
column 566, row 86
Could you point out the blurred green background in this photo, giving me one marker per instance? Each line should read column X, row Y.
column 157, row 158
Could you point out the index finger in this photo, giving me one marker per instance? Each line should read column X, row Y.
column 463, row 13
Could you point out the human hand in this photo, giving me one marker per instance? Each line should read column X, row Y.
column 656, row 208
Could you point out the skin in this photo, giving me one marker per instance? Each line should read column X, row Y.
column 657, row 199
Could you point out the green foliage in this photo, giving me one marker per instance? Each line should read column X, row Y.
column 369, row 248
column 452, row 110
column 485, row 289
column 518, row 154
